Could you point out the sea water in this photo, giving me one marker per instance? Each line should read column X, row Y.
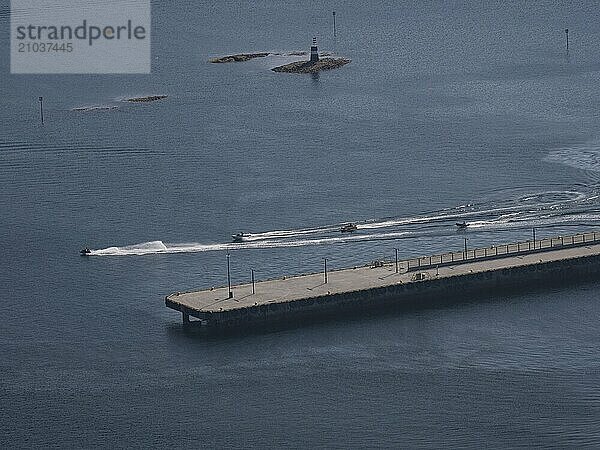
column 449, row 112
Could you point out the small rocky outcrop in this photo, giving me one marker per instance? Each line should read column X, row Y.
column 94, row 108
column 312, row 67
column 149, row 98
column 238, row 58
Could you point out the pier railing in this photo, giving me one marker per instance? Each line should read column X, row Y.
column 501, row 251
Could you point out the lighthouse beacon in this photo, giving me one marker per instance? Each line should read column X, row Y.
column 314, row 53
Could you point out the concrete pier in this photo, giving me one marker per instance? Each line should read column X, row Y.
column 451, row 275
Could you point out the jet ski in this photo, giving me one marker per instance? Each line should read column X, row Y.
column 349, row 228
column 240, row 237
column 462, row 225
column 84, row 252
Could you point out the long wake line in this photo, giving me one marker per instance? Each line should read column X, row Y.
column 545, row 209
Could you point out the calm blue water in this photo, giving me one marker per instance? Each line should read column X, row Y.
column 449, row 111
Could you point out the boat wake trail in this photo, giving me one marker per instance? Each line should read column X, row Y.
column 154, row 248
column 585, row 157
column 159, row 247
column 511, row 210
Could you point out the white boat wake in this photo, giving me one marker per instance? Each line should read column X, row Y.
column 550, row 208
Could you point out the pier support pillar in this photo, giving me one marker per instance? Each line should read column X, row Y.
column 186, row 318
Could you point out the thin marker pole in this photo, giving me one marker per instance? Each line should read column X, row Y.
column 229, row 277
column 325, row 270
column 334, row 30
column 465, row 249
column 41, row 100
column 253, row 290
column 534, row 238
column 396, row 260
column 567, row 33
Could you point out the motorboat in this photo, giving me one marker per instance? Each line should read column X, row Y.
column 84, row 252
column 240, row 237
column 348, row 228
column 462, row 225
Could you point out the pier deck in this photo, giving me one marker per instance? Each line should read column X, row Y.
column 206, row 303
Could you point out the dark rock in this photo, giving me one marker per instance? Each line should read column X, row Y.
column 149, row 98
column 94, row 108
column 238, row 58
